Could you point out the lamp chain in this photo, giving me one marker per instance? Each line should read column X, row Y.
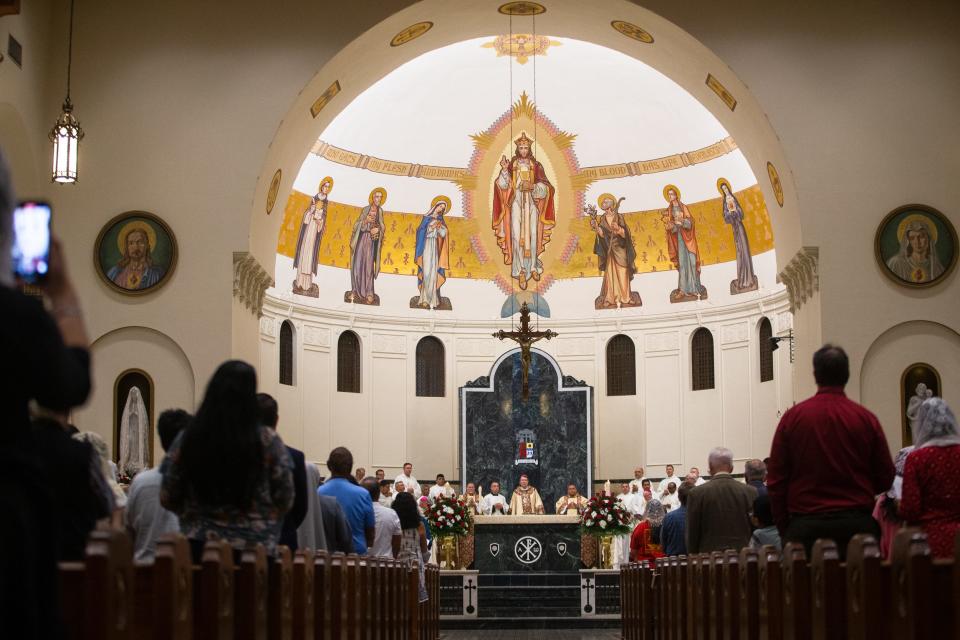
column 70, row 52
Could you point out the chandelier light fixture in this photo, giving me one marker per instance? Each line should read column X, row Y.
column 66, row 133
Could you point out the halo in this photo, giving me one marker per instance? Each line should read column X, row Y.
column 720, row 183
column 604, row 196
column 667, row 188
column 902, row 227
column 131, row 226
column 383, row 196
column 438, row 200
column 327, row 179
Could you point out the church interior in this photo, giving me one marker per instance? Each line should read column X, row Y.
column 559, row 247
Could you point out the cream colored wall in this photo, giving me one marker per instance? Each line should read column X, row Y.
column 890, row 355
column 386, row 425
column 136, row 348
column 181, row 102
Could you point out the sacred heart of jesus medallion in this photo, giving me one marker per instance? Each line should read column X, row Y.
column 562, row 548
column 494, row 549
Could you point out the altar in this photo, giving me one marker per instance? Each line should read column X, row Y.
column 512, row 544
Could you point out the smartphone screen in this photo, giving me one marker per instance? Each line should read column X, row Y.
column 31, row 241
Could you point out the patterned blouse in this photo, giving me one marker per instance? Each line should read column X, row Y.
column 272, row 498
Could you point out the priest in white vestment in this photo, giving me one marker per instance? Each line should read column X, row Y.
column 410, row 483
column 696, row 479
column 625, row 497
column 671, row 500
column 638, row 478
column 386, row 493
column 441, row 488
column 571, row 504
column 494, row 504
column 662, row 488
column 526, row 500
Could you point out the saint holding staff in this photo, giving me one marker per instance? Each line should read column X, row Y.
column 432, row 257
column 616, row 256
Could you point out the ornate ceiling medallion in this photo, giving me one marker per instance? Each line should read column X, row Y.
column 273, row 190
column 412, row 32
column 522, row 9
column 632, row 31
column 521, row 46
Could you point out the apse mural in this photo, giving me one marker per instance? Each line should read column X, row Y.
column 519, row 219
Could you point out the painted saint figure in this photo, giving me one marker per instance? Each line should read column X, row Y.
column 523, row 212
column 733, row 216
column 616, row 255
column 682, row 247
column 136, row 269
column 917, row 261
column 366, row 243
column 432, row 255
column 308, row 242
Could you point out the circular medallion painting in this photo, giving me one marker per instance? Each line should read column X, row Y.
column 135, row 253
column 916, row 246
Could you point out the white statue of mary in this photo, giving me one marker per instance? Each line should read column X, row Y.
column 134, row 435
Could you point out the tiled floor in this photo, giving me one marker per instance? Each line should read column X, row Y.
column 533, row 634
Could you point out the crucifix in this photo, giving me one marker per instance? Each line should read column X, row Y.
column 525, row 337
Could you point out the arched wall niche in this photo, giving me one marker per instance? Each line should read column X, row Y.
column 370, row 57
column 136, row 348
column 891, row 353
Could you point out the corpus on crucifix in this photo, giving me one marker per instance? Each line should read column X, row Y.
column 525, row 337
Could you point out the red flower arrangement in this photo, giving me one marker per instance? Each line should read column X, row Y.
column 603, row 516
column 448, row 517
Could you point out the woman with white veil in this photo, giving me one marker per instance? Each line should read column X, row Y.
column 931, row 477
column 134, row 435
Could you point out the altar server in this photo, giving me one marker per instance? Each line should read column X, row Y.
column 572, row 503
column 441, row 489
column 526, row 499
column 386, row 493
column 697, row 480
column 409, row 482
column 494, row 504
column 625, row 497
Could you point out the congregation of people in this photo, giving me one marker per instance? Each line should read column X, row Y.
column 227, row 474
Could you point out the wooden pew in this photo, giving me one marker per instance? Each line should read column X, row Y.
column 336, row 609
column 698, row 596
column 303, row 595
column 280, row 595
column 412, row 608
column 866, row 585
column 213, row 593
column 250, row 595
column 731, row 595
column 662, row 588
column 648, row 601
column 629, row 621
column 681, row 609
column 97, row 594
column 163, row 592
column 771, row 603
column 715, row 585
column 914, row 616
column 749, row 569
column 829, row 592
column 796, row 592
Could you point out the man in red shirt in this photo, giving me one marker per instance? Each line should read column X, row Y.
column 828, row 461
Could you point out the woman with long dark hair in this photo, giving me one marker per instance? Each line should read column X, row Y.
column 226, row 475
column 413, row 535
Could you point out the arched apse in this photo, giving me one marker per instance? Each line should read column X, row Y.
column 892, row 352
column 147, row 350
column 370, row 57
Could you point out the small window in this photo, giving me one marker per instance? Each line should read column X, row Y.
column 702, row 359
column 430, row 368
column 766, row 351
column 348, row 363
column 286, row 353
column 621, row 367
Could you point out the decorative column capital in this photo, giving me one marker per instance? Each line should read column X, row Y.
column 250, row 281
column 801, row 276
